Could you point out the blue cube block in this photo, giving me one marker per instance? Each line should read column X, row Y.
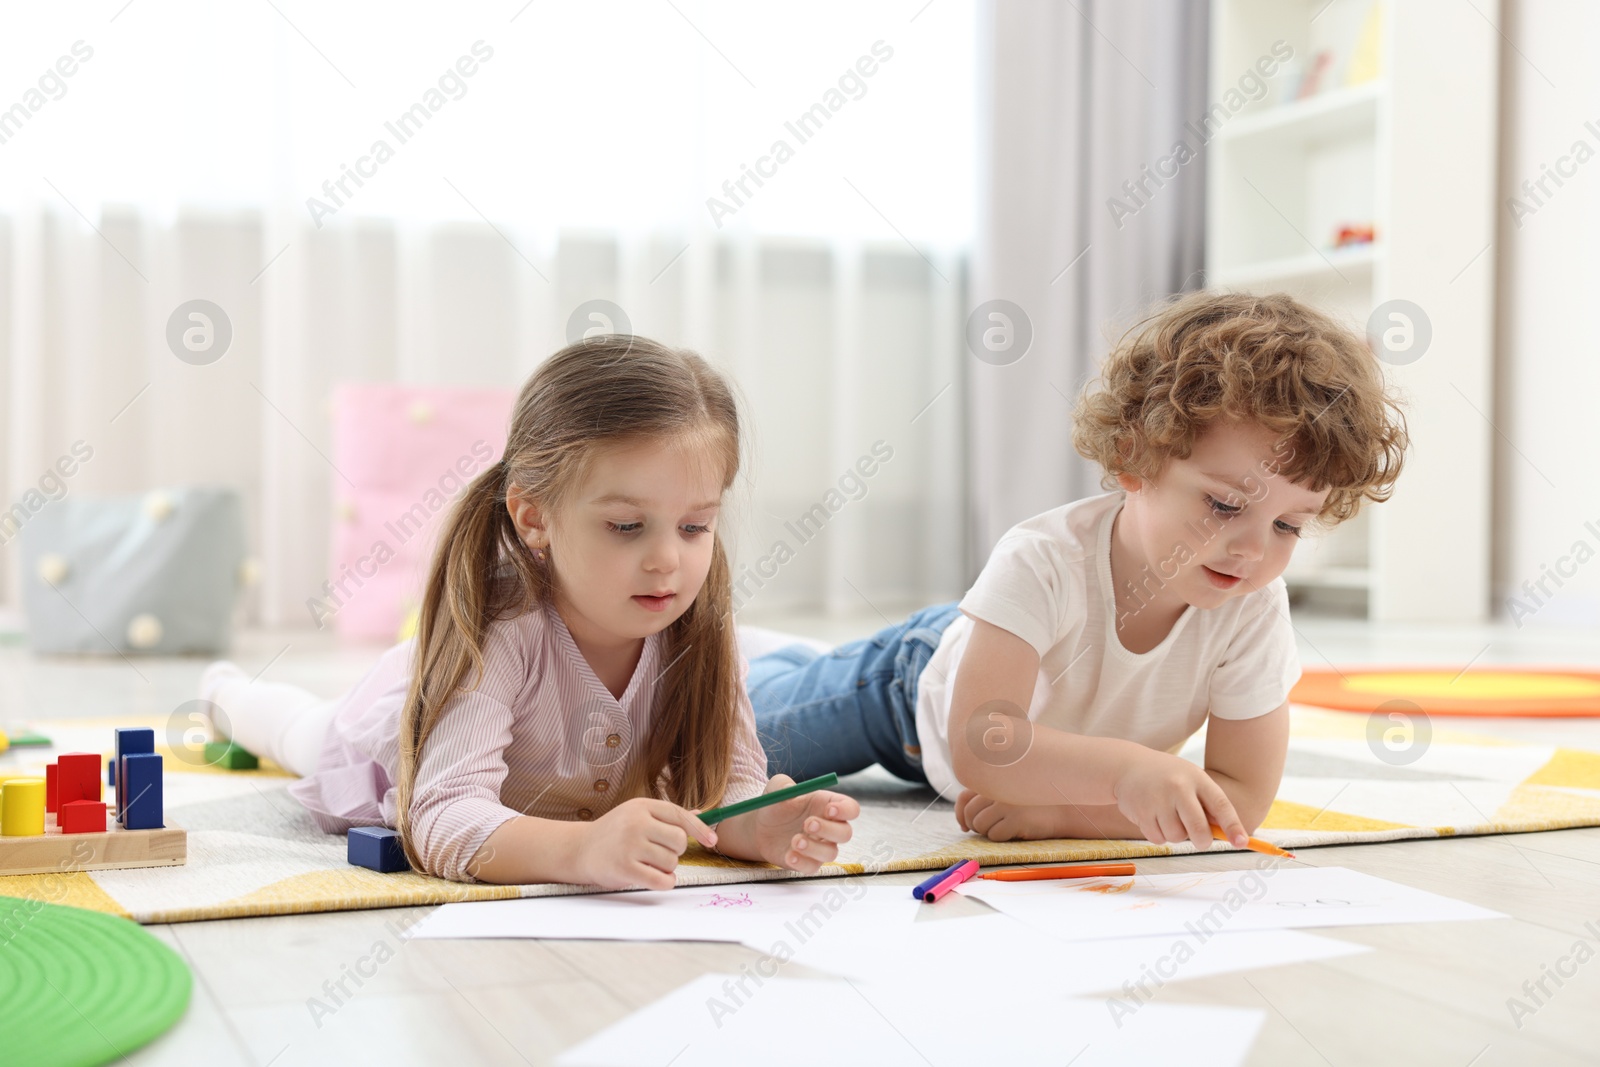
column 377, row 847
column 131, row 741
column 140, row 779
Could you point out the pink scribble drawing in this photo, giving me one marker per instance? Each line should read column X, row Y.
column 719, row 901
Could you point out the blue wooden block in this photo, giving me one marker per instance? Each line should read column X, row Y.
column 141, row 779
column 111, row 772
column 378, row 848
column 131, row 741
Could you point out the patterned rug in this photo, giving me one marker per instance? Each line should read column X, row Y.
column 254, row 851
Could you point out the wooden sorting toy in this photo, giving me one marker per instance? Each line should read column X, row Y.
column 81, row 831
column 58, row 852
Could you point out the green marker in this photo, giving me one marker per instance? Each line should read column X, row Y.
column 716, row 815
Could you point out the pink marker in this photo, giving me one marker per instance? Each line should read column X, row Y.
column 955, row 878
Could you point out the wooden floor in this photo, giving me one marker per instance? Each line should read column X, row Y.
column 267, row 989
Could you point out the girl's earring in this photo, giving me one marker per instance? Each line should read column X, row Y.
column 538, row 554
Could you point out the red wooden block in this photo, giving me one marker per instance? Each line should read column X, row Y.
column 78, row 777
column 51, row 790
column 83, row 817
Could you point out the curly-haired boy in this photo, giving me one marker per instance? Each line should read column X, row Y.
column 1101, row 635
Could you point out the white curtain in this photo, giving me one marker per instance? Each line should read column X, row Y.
column 846, row 357
column 179, row 159
column 1075, row 99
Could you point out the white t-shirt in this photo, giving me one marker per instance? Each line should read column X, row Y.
column 1049, row 582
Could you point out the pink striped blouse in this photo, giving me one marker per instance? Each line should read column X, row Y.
column 540, row 735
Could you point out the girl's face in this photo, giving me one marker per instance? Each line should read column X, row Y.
column 1220, row 524
column 632, row 546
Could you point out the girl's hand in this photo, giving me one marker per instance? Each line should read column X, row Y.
column 999, row 821
column 1170, row 799
column 637, row 843
column 804, row 833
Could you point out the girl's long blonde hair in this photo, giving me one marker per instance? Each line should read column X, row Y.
column 597, row 394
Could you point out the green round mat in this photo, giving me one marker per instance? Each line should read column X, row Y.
column 80, row 988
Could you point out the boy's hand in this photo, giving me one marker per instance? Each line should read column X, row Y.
column 803, row 833
column 1170, row 799
column 999, row 821
column 637, row 843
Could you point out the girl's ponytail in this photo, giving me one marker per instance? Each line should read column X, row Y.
column 468, row 588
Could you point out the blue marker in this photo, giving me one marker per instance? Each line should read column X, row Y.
column 921, row 892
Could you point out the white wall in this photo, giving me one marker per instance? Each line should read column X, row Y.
column 1547, row 403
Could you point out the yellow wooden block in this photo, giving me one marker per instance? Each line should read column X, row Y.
column 22, row 807
column 4, row 778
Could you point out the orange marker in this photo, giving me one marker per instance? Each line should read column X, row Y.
column 1254, row 844
column 1083, row 870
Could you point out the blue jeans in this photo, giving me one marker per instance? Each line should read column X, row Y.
column 847, row 709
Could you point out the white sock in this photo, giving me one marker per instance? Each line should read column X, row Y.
column 283, row 723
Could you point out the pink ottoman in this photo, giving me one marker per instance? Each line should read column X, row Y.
column 409, row 450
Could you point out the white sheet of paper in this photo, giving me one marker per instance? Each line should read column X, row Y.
column 1204, row 904
column 788, row 1022
column 757, row 913
column 1000, row 945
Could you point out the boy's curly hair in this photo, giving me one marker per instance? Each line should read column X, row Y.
column 1268, row 359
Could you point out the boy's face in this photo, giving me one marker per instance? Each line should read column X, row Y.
column 1217, row 525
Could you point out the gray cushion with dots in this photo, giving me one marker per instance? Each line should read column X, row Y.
column 155, row 572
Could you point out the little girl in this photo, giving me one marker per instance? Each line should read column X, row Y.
column 574, row 694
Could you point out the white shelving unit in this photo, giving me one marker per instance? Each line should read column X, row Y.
column 1410, row 149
